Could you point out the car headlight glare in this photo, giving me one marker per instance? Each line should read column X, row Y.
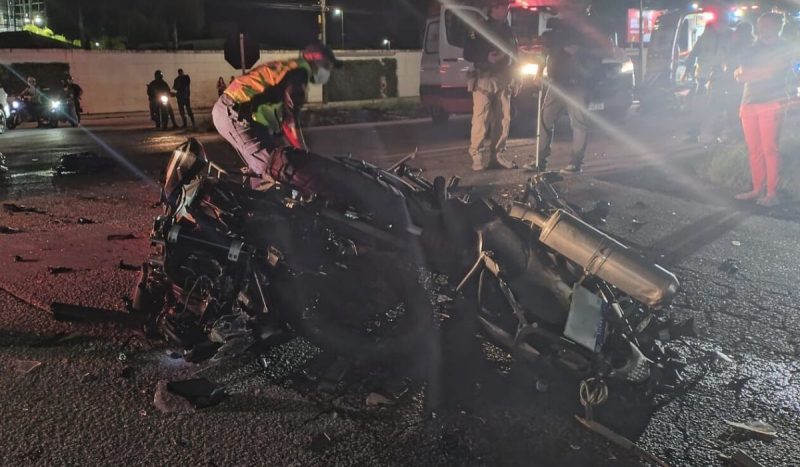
column 627, row 67
column 530, row 69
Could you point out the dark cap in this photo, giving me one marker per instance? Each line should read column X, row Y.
column 319, row 52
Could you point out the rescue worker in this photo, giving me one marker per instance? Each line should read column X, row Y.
column 259, row 110
column 570, row 68
column 182, row 87
column 156, row 88
column 491, row 49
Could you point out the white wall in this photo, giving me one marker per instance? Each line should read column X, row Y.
column 115, row 81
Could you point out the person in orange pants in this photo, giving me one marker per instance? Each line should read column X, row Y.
column 764, row 72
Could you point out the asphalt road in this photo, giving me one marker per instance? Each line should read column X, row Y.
column 87, row 405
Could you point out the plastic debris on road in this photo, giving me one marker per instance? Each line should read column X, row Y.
column 167, row 402
column 8, row 230
column 375, row 400
column 25, row 366
column 85, row 221
column 200, row 392
column 758, row 427
column 56, row 270
column 729, row 266
column 18, row 208
column 128, row 267
column 115, row 237
column 736, row 243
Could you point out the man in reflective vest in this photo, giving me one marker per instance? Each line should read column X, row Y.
column 261, row 109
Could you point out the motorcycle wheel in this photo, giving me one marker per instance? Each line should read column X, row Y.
column 3, row 123
column 11, row 123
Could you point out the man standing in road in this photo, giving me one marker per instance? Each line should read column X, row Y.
column 491, row 49
column 570, row 68
column 182, row 85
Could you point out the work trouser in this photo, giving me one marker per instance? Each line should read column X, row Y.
column 761, row 124
column 491, row 118
column 185, row 107
column 252, row 141
column 575, row 100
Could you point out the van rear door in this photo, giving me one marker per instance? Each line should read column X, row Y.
column 455, row 24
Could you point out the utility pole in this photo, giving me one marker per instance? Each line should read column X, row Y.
column 640, row 81
column 323, row 11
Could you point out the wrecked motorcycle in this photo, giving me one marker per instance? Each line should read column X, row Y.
column 235, row 268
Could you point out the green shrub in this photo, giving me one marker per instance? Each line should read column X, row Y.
column 361, row 80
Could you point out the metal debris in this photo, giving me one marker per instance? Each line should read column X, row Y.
column 729, row 266
column 128, row 267
column 375, row 400
column 8, row 230
column 55, row 270
column 757, row 427
column 741, row 459
column 25, row 366
column 719, row 356
column 167, row 402
column 85, row 221
column 114, row 237
column 201, row 393
column 83, row 163
column 18, row 208
column 20, row 259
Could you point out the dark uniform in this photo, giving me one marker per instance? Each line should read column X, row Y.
column 491, row 87
column 156, row 88
column 182, row 87
column 570, row 69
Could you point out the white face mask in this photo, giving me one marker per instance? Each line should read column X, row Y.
column 321, row 76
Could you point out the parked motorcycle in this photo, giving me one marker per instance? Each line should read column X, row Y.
column 233, row 269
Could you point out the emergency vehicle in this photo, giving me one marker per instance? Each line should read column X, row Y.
column 444, row 72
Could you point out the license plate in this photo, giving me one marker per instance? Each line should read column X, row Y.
column 597, row 106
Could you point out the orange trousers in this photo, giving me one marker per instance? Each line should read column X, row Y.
column 762, row 127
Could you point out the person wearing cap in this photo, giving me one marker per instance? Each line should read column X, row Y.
column 491, row 48
column 260, row 110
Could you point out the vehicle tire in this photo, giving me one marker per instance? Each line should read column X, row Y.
column 439, row 115
column 3, row 123
column 11, row 123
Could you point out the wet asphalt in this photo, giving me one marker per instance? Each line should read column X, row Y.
column 91, row 400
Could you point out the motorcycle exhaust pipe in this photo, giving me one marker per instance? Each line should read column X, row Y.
column 602, row 256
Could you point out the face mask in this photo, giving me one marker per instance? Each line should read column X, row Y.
column 322, row 76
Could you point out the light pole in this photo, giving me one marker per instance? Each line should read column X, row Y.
column 339, row 13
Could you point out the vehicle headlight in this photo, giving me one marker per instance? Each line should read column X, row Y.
column 627, row 67
column 55, row 105
column 15, row 104
column 529, row 69
column 164, row 99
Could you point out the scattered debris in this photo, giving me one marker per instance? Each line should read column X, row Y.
column 8, row 230
column 757, row 427
column 114, row 237
column 729, row 266
column 320, row 442
column 56, row 339
column 374, row 400
column 620, row 441
column 85, row 221
column 83, row 314
column 18, row 208
column 637, row 224
column 719, row 356
column 541, row 386
column 167, row 402
column 736, row 243
column 128, row 267
column 126, row 372
column 575, row 447
column 599, row 213
column 25, row 366
column 743, row 460
column 55, row 270
column 20, row 259
column 201, row 392
column 83, row 163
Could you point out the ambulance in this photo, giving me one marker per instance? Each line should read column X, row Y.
column 444, row 72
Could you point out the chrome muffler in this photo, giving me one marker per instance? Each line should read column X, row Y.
column 602, row 256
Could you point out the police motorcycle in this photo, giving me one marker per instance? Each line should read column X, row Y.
column 234, row 269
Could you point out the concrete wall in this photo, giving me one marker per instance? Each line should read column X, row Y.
column 114, row 81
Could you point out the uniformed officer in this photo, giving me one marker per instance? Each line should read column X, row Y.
column 491, row 48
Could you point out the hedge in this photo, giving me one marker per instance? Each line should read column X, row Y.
column 361, row 80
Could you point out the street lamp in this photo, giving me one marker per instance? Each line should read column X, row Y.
column 387, row 43
column 339, row 13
